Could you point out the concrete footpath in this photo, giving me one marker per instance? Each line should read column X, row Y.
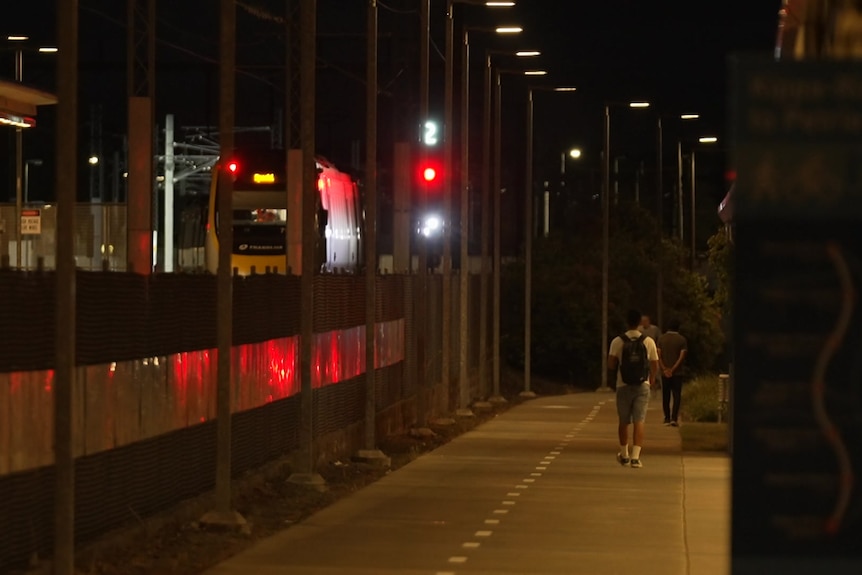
column 537, row 490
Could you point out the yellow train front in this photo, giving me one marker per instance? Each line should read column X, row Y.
column 261, row 219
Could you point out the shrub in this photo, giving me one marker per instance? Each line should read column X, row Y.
column 700, row 398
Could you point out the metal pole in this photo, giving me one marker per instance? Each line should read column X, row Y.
column 692, row 226
column 486, row 224
column 496, row 395
column 660, row 217
column 227, row 95
column 445, row 360
column 66, row 192
column 464, row 277
column 680, row 216
column 169, row 194
column 19, row 158
column 528, row 251
column 370, row 224
column 606, row 192
column 420, row 313
column 306, row 467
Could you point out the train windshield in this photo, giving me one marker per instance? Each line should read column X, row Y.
column 259, row 222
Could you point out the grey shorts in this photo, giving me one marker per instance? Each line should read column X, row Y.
column 632, row 402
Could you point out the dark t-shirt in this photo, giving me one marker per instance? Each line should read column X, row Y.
column 670, row 345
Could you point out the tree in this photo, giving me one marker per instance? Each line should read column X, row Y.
column 566, row 314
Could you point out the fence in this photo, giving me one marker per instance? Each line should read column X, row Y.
column 144, row 402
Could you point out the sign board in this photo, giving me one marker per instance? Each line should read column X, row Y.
column 797, row 419
column 31, row 222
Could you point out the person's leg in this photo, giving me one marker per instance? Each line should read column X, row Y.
column 639, row 409
column 665, row 398
column 676, row 388
column 624, row 413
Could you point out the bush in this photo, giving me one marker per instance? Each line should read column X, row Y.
column 700, row 398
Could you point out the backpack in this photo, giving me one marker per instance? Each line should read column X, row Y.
column 634, row 367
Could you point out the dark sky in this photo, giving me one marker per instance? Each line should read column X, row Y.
column 672, row 53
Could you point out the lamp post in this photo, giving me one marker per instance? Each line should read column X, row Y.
column 528, row 235
column 660, row 208
column 463, row 383
column 488, row 185
column 606, row 192
column 498, row 104
column 447, row 191
column 693, row 195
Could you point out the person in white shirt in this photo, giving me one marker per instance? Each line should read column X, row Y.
column 633, row 361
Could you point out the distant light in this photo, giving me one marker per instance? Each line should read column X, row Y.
column 707, row 140
column 429, row 174
column 535, row 73
column 527, row 53
column 48, row 49
column 499, row 4
column 17, row 38
column 639, row 105
column 233, row 166
column 93, row 160
column 689, row 116
column 509, row 30
column 575, row 153
column 565, row 89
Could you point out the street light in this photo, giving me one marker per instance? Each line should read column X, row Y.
column 447, row 192
column 693, row 198
column 528, row 238
column 660, row 208
column 488, row 185
column 606, row 216
column 464, row 284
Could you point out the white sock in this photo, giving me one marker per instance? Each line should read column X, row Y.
column 624, row 450
column 636, row 451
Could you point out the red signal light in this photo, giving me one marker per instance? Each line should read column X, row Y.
column 233, row 167
column 429, row 174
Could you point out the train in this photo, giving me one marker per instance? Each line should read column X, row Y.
column 261, row 215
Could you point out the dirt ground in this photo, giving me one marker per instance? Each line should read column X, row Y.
column 174, row 542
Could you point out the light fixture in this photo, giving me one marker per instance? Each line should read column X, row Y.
column 535, row 73
column 565, row 89
column 93, row 160
column 689, row 116
column 639, row 105
column 527, row 53
column 509, row 30
column 707, row 140
column 499, row 4
column 17, row 38
column 575, row 153
column 48, row 49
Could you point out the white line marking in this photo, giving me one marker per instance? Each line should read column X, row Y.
column 457, row 559
column 541, row 468
column 529, row 481
column 483, row 533
column 492, row 522
column 521, row 486
column 501, row 511
column 508, row 503
column 550, row 457
column 513, row 494
column 470, row 545
column 555, row 453
column 535, row 475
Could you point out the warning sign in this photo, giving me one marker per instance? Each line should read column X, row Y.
column 31, row 222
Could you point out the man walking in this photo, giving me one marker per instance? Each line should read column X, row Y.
column 647, row 328
column 633, row 361
column 672, row 349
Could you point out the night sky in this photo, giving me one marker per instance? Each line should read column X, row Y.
column 671, row 53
